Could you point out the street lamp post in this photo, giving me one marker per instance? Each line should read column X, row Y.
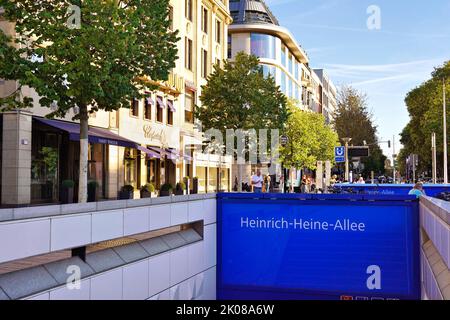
column 445, row 134
column 433, row 151
column 346, row 141
column 393, row 159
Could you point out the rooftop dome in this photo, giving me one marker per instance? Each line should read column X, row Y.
column 251, row 11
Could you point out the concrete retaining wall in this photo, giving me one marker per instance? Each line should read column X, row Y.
column 183, row 273
column 435, row 248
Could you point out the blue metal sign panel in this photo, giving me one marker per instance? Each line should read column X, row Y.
column 277, row 247
column 339, row 154
column 391, row 189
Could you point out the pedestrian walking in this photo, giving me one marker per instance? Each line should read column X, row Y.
column 257, row 182
column 417, row 190
column 267, row 183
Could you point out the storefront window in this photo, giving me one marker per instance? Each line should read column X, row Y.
column 263, row 45
column 224, row 180
column 130, row 166
column 45, row 166
column 212, row 180
column 201, row 174
column 96, row 167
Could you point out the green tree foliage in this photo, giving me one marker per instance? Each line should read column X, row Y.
column 353, row 120
column 310, row 139
column 425, row 109
column 100, row 65
column 240, row 97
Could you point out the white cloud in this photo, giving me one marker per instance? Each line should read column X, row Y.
column 360, row 75
column 386, row 32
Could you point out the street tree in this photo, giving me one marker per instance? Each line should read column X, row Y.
column 240, row 97
column 102, row 63
column 425, row 109
column 354, row 120
column 310, row 139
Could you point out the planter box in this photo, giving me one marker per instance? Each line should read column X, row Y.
column 146, row 194
column 92, row 193
column 125, row 195
column 165, row 193
column 179, row 192
column 194, row 187
column 66, row 195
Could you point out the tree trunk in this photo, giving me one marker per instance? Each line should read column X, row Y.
column 84, row 145
column 239, row 166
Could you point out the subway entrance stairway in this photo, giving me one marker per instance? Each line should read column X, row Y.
column 229, row 246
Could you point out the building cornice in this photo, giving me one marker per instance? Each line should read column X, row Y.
column 219, row 6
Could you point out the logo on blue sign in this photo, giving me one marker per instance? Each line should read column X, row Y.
column 339, row 154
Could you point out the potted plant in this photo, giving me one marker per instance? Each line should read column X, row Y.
column 166, row 190
column 195, row 185
column 126, row 192
column 187, row 182
column 179, row 189
column 147, row 190
column 67, row 191
column 92, row 191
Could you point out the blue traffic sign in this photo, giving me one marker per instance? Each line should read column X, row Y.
column 339, row 154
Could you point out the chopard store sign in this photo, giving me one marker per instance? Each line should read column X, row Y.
column 154, row 134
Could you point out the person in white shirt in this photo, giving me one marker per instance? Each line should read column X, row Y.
column 257, row 181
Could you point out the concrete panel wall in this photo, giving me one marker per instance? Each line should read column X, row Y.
column 95, row 222
column 187, row 272
column 435, row 249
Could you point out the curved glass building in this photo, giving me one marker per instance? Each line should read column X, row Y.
column 255, row 30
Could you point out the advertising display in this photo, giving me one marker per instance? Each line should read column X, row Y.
column 283, row 247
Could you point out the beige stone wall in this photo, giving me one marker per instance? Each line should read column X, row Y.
column 16, row 158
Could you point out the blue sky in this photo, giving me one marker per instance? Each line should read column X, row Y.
column 385, row 64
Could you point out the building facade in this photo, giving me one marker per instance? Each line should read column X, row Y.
column 255, row 30
column 154, row 141
column 329, row 95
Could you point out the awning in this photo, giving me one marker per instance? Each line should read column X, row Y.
column 170, row 105
column 165, row 152
column 160, row 102
column 177, row 153
column 149, row 153
column 150, row 101
column 189, row 85
column 96, row 135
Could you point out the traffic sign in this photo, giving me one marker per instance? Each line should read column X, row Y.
column 284, row 140
column 339, row 154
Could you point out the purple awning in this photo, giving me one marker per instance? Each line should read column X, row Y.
column 177, row 153
column 170, row 105
column 165, row 152
column 149, row 153
column 150, row 101
column 96, row 135
column 160, row 102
